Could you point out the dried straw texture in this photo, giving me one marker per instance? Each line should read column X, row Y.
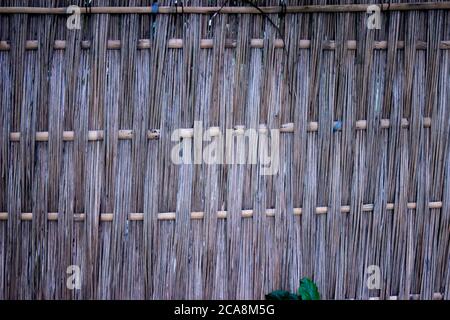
column 86, row 177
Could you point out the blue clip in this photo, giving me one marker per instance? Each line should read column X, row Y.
column 337, row 126
column 155, row 7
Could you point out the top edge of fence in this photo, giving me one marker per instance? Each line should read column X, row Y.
column 231, row 9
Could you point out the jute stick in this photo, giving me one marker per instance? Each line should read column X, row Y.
column 127, row 134
column 230, row 43
column 247, row 213
column 231, row 9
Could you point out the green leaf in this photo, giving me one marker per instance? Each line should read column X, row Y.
column 308, row 290
column 281, row 295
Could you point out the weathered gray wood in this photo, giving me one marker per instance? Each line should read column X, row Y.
column 85, row 143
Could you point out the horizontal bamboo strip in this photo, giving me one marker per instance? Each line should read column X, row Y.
column 93, row 135
column 303, row 44
column 232, row 9
column 436, row 296
column 126, row 134
column 247, row 213
column 229, row 43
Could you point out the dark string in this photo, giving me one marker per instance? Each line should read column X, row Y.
column 278, row 30
column 88, row 6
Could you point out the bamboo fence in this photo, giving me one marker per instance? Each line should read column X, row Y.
column 86, row 177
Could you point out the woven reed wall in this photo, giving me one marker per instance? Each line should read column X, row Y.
column 86, row 177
